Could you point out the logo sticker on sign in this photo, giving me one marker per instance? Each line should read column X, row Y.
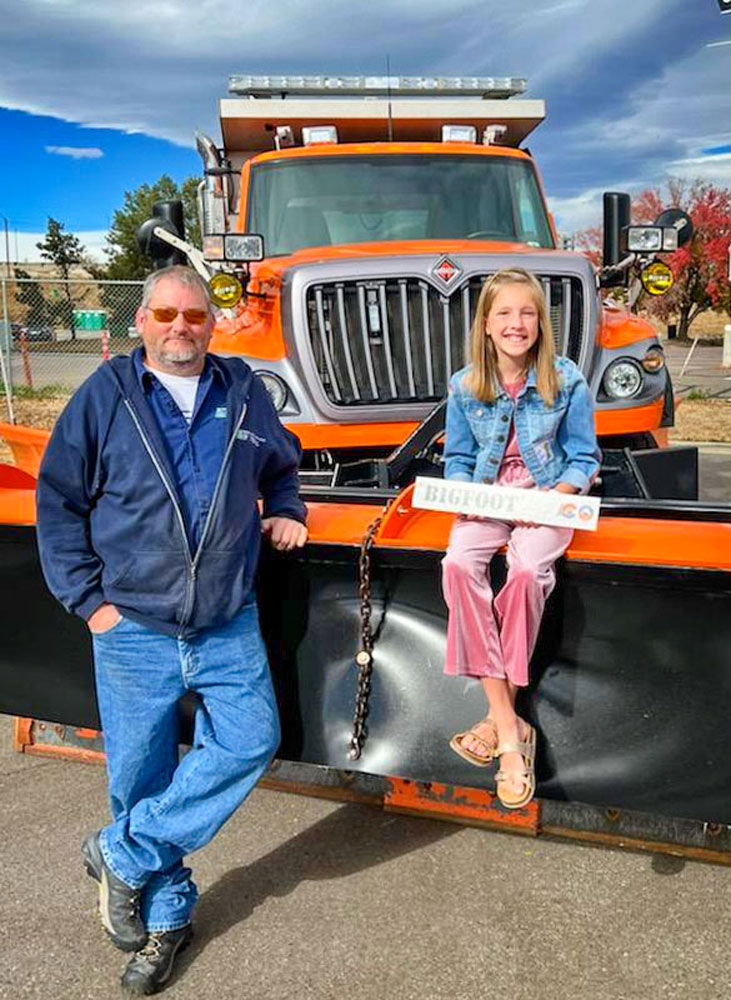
column 506, row 503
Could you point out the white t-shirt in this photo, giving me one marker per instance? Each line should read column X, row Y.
column 182, row 388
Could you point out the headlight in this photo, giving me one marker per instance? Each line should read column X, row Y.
column 622, row 379
column 277, row 389
column 650, row 239
column 243, row 246
column 654, row 360
column 644, row 239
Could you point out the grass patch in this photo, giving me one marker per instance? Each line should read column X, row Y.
column 702, row 419
column 45, row 392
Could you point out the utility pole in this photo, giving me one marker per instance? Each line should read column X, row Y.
column 5, row 369
column 7, row 245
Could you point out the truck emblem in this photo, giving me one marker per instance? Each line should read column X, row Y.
column 446, row 271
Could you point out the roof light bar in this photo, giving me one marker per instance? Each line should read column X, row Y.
column 377, row 86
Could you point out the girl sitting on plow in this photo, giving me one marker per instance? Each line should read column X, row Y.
column 516, row 416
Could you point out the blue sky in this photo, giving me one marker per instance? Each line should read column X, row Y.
column 96, row 99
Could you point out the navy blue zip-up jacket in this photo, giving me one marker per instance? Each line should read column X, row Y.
column 110, row 525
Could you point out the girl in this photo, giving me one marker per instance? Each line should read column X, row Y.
column 516, row 416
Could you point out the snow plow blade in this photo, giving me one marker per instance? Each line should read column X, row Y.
column 630, row 686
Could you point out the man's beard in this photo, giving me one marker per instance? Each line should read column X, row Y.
column 182, row 356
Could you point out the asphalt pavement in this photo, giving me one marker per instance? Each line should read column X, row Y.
column 302, row 898
column 701, row 371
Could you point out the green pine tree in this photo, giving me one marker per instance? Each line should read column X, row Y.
column 29, row 293
column 126, row 260
column 63, row 250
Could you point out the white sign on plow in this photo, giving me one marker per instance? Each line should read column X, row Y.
column 506, row 503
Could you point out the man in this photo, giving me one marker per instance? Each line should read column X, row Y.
column 149, row 529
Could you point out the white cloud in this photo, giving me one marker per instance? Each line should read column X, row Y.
column 76, row 152
column 579, row 212
column 23, row 249
column 689, row 104
column 714, row 169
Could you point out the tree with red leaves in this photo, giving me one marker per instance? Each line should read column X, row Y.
column 700, row 268
column 589, row 242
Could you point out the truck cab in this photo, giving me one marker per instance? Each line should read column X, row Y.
column 382, row 205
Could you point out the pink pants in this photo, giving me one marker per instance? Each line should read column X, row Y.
column 487, row 638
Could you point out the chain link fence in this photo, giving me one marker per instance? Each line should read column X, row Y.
column 54, row 333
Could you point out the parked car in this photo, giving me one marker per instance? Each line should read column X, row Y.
column 33, row 333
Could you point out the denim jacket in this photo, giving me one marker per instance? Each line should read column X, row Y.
column 557, row 443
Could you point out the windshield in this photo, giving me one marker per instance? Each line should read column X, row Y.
column 321, row 201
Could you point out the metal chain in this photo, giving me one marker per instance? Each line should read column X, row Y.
column 364, row 656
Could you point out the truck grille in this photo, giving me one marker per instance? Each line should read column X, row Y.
column 400, row 339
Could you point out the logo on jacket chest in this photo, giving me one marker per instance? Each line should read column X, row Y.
column 251, row 437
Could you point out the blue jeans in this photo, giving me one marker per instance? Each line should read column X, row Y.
column 163, row 809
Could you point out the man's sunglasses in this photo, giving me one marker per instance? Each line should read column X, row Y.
column 166, row 314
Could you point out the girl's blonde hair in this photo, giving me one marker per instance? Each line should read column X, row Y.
column 484, row 378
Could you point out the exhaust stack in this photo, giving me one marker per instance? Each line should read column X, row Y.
column 214, row 193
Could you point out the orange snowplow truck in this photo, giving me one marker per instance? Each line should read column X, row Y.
column 348, row 225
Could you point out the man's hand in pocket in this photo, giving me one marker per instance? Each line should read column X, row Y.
column 105, row 617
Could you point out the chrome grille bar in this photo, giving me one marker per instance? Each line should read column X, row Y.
column 447, row 328
column 407, row 337
column 466, row 316
column 324, row 344
column 387, row 339
column 566, row 310
column 366, row 340
column 344, row 336
column 427, row 336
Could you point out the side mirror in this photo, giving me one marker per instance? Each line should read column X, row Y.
column 676, row 218
column 167, row 215
column 616, row 217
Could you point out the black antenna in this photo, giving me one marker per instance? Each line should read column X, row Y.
column 388, row 83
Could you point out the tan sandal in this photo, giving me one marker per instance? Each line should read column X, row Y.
column 527, row 750
column 489, row 745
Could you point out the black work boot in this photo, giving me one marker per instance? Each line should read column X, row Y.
column 150, row 968
column 119, row 903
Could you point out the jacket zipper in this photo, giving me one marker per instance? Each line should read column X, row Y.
column 190, row 587
column 217, row 489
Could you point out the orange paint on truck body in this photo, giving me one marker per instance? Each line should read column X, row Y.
column 620, row 329
column 629, row 419
column 630, row 540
